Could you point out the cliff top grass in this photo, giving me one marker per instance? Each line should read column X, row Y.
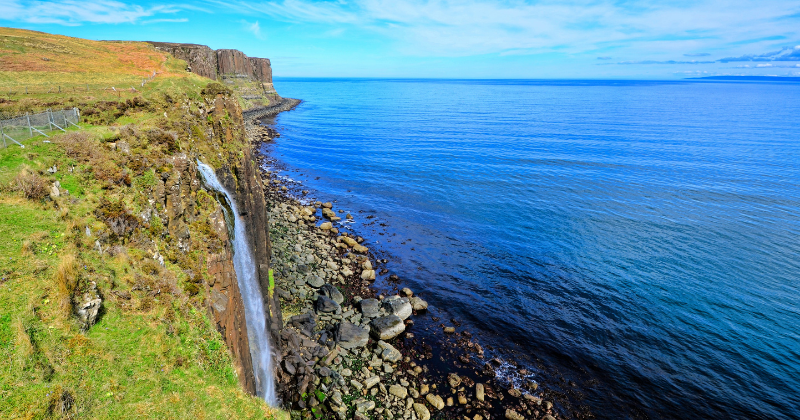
column 153, row 352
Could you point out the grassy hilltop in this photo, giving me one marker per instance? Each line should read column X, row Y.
column 153, row 352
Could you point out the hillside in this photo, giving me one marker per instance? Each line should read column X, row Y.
column 115, row 212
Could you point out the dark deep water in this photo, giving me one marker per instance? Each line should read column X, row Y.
column 646, row 232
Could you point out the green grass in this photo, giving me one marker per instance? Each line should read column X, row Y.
column 148, row 356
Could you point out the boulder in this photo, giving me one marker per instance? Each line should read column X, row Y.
column 398, row 306
column 314, row 281
column 325, row 304
column 328, row 213
column 370, row 307
column 406, row 292
column 88, row 311
column 368, row 275
column 371, row 381
column 454, row 380
column 304, row 322
column 54, row 191
column 388, row 352
column 479, row 392
column 418, row 304
column 350, row 336
column 326, row 226
column 398, row 391
column 332, row 292
column 422, row 412
column 513, row 415
column 387, row 327
column 435, row 401
column 364, row 405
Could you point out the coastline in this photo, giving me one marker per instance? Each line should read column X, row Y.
column 333, row 359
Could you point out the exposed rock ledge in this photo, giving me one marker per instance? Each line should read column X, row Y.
column 220, row 64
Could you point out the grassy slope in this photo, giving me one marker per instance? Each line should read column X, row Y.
column 147, row 357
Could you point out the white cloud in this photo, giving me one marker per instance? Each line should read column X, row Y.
column 180, row 20
column 254, row 28
column 510, row 27
column 74, row 12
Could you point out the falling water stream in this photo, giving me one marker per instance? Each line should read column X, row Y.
column 255, row 316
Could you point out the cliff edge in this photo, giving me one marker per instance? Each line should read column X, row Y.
column 220, row 64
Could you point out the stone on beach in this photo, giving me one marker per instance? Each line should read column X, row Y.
column 513, row 415
column 479, row 392
column 398, row 306
column 435, row 401
column 350, row 336
column 388, row 352
column 387, row 327
column 370, row 308
column 314, row 281
column 398, row 391
column 368, row 275
column 332, row 292
column 326, row 305
column 422, row 412
column 418, row 304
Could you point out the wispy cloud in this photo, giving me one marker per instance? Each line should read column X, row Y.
column 604, row 58
column 469, row 27
column 697, row 55
column 786, row 54
column 149, row 21
column 665, row 62
column 74, row 12
column 253, row 27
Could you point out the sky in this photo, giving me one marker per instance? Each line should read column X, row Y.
column 570, row 39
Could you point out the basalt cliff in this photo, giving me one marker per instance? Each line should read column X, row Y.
column 220, row 64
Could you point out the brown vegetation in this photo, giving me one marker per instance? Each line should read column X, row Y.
column 31, row 185
column 66, row 281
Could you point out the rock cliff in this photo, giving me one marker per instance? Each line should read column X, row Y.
column 219, row 64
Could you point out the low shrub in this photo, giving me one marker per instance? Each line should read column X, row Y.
column 31, row 185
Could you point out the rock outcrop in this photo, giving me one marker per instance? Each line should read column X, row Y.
column 220, row 64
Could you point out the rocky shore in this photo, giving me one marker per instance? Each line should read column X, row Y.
column 347, row 352
column 284, row 104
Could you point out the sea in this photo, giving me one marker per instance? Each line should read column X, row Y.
column 639, row 240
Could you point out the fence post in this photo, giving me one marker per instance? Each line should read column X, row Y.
column 29, row 123
column 3, row 134
column 49, row 120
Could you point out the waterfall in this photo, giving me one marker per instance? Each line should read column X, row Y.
column 254, row 314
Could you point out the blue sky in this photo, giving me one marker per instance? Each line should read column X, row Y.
column 454, row 39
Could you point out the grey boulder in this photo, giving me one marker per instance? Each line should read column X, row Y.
column 326, row 305
column 350, row 336
column 387, row 327
column 370, row 307
column 397, row 305
column 332, row 292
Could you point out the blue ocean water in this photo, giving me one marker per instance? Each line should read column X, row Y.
column 645, row 235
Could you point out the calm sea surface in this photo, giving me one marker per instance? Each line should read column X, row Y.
column 644, row 235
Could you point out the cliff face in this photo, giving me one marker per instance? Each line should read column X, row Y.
column 224, row 63
column 242, row 178
column 176, row 192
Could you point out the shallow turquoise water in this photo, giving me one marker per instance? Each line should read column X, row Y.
column 643, row 235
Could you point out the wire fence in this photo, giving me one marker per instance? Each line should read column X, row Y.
column 26, row 126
